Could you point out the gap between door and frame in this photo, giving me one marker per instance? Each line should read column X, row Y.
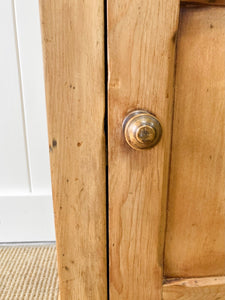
column 106, row 141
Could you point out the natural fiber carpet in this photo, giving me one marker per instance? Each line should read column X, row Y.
column 28, row 273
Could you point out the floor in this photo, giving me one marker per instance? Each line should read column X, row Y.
column 28, row 273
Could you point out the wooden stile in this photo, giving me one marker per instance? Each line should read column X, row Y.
column 73, row 43
column 141, row 43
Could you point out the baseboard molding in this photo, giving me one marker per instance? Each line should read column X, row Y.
column 26, row 219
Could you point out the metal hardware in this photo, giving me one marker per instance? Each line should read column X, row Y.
column 141, row 130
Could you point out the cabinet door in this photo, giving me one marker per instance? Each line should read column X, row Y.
column 177, row 187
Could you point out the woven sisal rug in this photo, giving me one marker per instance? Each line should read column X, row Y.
column 28, row 273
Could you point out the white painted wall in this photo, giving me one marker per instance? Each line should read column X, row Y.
column 26, row 212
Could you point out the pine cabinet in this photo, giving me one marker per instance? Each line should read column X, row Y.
column 137, row 218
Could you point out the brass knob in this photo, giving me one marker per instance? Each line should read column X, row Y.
column 141, row 130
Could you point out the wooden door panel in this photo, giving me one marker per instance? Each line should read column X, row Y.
column 141, row 42
column 195, row 236
column 73, row 43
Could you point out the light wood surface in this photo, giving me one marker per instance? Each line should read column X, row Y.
column 141, row 42
column 211, row 288
column 206, row 2
column 73, row 41
column 195, row 238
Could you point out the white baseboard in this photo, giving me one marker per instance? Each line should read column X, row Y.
column 26, row 218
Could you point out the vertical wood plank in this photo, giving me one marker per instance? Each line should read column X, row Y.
column 73, row 41
column 195, row 237
column 141, row 43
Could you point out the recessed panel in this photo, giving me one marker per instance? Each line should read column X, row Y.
column 195, row 237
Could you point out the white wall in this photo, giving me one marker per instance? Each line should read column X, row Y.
column 26, row 212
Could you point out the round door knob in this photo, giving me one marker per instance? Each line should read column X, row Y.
column 141, row 130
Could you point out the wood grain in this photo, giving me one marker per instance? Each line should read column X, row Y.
column 73, row 42
column 205, row 2
column 141, row 43
column 195, row 238
column 211, row 288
